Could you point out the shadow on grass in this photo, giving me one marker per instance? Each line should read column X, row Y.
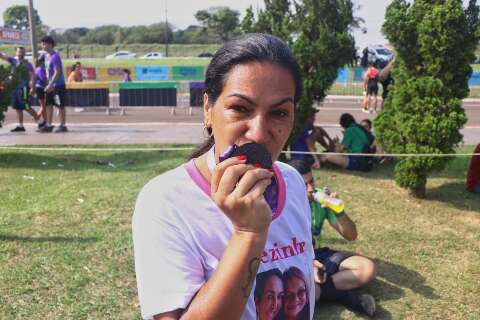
column 401, row 277
column 106, row 161
column 6, row 237
column 455, row 195
column 389, row 285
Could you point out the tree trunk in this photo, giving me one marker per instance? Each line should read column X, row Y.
column 419, row 192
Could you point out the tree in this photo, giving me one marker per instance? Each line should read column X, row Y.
column 16, row 17
column 319, row 33
column 221, row 21
column 435, row 43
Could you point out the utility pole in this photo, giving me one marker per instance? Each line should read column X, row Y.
column 166, row 30
column 33, row 37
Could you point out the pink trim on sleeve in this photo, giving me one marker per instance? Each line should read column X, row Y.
column 197, row 177
column 282, row 192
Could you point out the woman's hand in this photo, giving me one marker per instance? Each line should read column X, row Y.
column 237, row 189
column 319, row 272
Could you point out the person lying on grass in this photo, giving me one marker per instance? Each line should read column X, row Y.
column 346, row 272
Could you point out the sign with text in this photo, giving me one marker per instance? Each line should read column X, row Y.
column 188, row 73
column 113, row 73
column 151, row 73
column 14, row 36
column 342, row 76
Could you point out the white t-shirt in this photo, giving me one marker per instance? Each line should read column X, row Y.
column 179, row 237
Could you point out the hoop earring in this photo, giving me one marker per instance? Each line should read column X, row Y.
column 207, row 132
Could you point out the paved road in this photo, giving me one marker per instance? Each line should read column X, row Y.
column 158, row 125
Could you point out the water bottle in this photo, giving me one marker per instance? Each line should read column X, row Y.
column 323, row 197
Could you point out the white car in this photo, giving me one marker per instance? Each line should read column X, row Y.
column 379, row 55
column 29, row 54
column 121, row 55
column 152, row 55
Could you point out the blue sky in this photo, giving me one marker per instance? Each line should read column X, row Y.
column 91, row 13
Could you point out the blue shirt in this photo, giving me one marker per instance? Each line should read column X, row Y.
column 301, row 143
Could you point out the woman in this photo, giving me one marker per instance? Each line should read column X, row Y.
column 202, row 231
column 76, row 73
column 355, row 140
column 268, row 294
column 296, row 302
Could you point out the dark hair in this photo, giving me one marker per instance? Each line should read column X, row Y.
column 262, row 280
column 74, row 67
column 368, row 122
column 301, row 166
column 21, row 48
column 346, row 120
column 48, row 39
column 294, row 272
column 40, row 61
column 253, row 47
column 127, row 71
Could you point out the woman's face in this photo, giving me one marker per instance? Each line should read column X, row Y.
column 271, row 300
column 256, row 105
column 295, row 297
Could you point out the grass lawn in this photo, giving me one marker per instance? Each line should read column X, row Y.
column 66, row 249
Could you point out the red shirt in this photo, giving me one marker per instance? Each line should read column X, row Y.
column 473, row 175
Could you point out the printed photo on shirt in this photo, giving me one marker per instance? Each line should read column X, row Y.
column 282, row 296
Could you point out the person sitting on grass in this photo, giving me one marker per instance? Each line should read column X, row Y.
column 307, row 140
column 346, row 272
column 367, row 125
column 473, row 175
column 355, row 140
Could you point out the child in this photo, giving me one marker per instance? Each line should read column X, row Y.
column 40, row 84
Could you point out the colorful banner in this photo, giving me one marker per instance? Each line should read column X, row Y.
column 14, row 36
column 358, row 74
column 342, row 76
column 474, row 79
column 188, row 73
column 151, row 73
column 88, row 73
column 113, row 73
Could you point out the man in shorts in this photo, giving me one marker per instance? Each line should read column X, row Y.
column 55, row 90
column 346, row 272
column 370, row 86
column 21, row 94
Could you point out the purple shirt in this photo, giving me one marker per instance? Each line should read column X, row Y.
column 41, row 75
column 126, row 78
column 52, row 62
column 14, row 61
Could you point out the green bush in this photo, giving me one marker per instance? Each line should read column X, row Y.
column 435, row 43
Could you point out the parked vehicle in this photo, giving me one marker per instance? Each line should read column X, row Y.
column 377, row 55
column 29, row 54
column 152, row 55
column 121, row 55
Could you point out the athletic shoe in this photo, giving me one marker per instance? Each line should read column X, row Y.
column 360, row 302
column 18, row 129
column 45, row 129
column 61, row 129
column 365, row 110
column 41, row 124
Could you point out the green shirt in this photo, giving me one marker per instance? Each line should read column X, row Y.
column 319, row 214
column 355, row 139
